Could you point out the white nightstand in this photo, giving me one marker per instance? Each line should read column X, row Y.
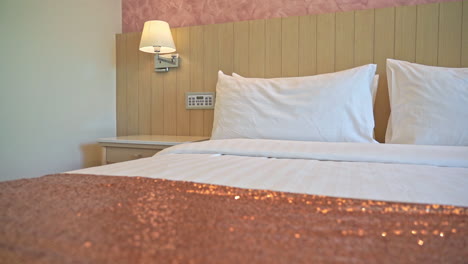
column 118, row 149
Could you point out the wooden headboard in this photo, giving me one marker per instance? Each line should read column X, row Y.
column 154, row 103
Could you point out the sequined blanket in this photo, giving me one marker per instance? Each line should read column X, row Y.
column 107, row 219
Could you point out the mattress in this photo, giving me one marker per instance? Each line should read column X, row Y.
column 399, row 173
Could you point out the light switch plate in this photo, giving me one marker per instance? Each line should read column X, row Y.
column 204, row 100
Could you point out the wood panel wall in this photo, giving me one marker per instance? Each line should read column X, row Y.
column 154, row 103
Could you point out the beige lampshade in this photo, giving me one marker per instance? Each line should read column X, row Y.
column 157, row 33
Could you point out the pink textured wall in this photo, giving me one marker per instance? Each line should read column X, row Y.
column 201, row 12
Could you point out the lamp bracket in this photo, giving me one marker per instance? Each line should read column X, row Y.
column 162, row 62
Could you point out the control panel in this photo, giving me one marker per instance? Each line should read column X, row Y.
column 204, row 100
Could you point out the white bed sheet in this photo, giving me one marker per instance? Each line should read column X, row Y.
column 402, row 173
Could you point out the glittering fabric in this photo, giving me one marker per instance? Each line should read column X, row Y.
column 104, row 219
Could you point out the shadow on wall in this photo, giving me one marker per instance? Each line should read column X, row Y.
column 91, row 155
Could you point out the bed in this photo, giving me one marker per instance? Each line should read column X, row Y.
column 244, row 200
column 293, row 190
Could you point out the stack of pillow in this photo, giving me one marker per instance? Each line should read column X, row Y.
column 429, row 106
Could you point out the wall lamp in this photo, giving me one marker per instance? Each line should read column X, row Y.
column 157, row 38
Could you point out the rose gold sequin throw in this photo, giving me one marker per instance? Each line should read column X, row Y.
column 106, row 219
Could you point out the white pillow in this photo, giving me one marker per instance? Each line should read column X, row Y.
column 375, row 84
column 334, row 107
column 429, row 105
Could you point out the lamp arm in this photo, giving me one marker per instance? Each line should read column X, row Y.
column 165, row 59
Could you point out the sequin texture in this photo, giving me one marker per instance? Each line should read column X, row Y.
column 96, row 219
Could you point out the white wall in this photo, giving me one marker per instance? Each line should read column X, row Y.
column 57, row 83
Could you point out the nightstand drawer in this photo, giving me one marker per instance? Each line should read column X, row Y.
column 124, row 148
column 116, row 154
